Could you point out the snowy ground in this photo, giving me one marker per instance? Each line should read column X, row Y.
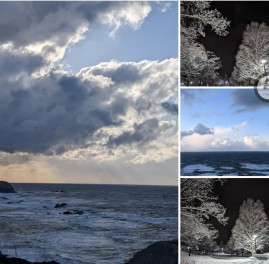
column 219, row 259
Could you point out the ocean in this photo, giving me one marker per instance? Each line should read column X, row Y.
column 225, row 163
column 117, row 221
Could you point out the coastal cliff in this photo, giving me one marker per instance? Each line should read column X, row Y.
column 6, row 187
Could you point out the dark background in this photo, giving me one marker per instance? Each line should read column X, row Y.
column 232, row 194
column 240, row 14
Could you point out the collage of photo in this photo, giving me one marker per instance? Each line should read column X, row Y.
column 224, row 132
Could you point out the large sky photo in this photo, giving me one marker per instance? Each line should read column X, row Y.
column 223, row 120
column 88, row 92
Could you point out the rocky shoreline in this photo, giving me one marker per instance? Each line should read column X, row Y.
column 6, row 260
column 161, row 252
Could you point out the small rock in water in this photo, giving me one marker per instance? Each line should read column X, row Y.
column 60, row 205
column 79, row 212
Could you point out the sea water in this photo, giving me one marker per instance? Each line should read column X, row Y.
column 225, row 163
column 118, row 221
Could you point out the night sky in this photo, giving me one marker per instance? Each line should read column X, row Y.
column 231, row 196
column 240, row 14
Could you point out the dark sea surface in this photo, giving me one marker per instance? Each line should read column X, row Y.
column 118, row 221
column 225, row 163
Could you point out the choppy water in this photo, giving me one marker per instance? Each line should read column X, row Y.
column 117, row 221
column 225, row 163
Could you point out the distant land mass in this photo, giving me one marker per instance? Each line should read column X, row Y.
column 6, row 187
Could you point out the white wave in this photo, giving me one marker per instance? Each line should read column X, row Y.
column 196, row 167
column 256, row 167
column 261, row 173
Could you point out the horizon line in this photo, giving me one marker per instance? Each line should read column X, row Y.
column 124, row 184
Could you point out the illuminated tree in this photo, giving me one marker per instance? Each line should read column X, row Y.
column 251, row 229
column 251, row 59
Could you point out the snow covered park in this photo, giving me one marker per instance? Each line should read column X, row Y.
column 246, row 239
column 221, row 259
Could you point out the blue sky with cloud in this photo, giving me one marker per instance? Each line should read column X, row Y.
column 88, row 92
column 155, row 40
column 237, row 118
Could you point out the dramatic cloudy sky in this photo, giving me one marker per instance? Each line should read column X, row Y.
column 223, row 120
column 88, row 92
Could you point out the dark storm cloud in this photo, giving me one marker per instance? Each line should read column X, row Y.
column 198, row 129
column 171, row 108
column 147, row 131
column 12, row 64
column 60, row 112
column 18, row 17
column 246, row 100
column 26, row 22
column 57, row 113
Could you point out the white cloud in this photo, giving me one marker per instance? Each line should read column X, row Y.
column 257, row 142
column 165, row 7
column 132, row 14
column 225, row 139
column 196, row 142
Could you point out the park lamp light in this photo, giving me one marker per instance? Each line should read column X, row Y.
column 264, row 61
column 189, row 250
column 255, row 247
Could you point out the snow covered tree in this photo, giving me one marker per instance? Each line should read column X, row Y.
column 197, row 63
column 196, row 15
column 197, row 205
column 251, row 229
column 253, row 54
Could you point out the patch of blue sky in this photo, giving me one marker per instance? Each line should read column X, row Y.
column 156, row 39
column 216, row 108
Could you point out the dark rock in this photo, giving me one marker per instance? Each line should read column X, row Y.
column 6, row 187
column 60, row 205
column 162, row 252
column 79, row 212
column 6, row 260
